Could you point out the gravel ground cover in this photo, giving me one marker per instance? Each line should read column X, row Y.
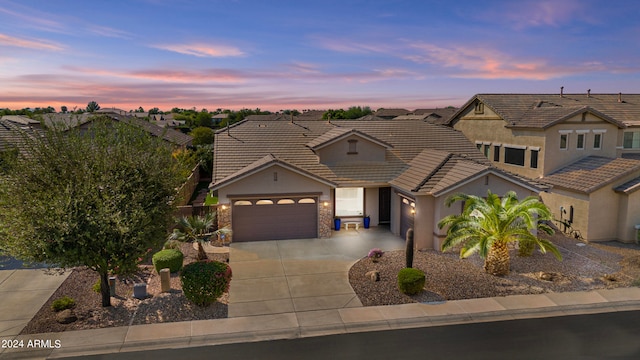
column 584, row 267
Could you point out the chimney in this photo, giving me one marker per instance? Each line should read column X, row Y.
column 620, row 97
column 292, row 117
column 228, row 132
column 589, row 93
column 561, row 91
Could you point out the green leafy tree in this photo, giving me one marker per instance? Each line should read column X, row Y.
column 92, row 106
column 198, row 229
column 203, row 119
column 63, row 108
column 202, row 135
column 154, row 111
column 100, row 198
column 487, row 225
column 353, row 112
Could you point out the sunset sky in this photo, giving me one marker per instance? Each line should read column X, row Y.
column 279, row 55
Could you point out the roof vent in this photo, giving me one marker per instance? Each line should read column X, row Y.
column 589, row 93
column 561, row 91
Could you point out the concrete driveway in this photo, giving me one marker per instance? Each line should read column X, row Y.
column 284, row 276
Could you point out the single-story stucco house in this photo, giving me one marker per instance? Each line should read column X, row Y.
column 285, row 178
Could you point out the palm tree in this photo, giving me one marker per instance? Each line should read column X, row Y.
column 487, row 225
column 197, row 229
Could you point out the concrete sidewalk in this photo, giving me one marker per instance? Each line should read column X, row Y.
column 321, row 322
column 22, row 294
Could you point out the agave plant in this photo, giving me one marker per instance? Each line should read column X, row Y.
column 197, row 229
column 487, row 225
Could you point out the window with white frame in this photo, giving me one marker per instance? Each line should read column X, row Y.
column 564, row 141
column 597, row 141
column 631, row 140
column 580, row 142
column 514, row 155
column 349, row 201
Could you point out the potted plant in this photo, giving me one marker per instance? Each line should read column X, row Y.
column 336, row 223
column 367, row 221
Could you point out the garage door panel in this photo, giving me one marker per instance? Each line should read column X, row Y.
column 275, row 222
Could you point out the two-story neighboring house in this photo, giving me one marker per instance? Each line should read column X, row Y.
column 583, row 145
column 281, row 177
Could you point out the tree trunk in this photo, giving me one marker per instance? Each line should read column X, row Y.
column 104, row 289
column 202, row 255
column 497, row 262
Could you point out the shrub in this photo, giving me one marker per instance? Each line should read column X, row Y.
column 203, row 282
column 63, row 303
column 168, row 258
column 171, row 244
column 375, row 253
column 526, row 248
column 411, row 281
column 96, row 286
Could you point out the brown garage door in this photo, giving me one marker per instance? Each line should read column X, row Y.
column 275, row 219
column 407, row 208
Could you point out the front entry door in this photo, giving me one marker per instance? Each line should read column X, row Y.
column 384, row 205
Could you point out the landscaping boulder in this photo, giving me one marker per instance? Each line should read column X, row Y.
column 66, row 317
column 373, row 275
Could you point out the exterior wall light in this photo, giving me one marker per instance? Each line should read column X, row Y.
column 224, row 207
column 325, row 204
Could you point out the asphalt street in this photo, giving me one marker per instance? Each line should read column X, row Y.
column 597, row 336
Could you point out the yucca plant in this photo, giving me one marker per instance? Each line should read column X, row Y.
column 487, row 225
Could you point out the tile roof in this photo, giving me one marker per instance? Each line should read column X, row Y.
column 168, row 134
column 591, row 173
column 339, row 133
column 263, row 163
column 13, row 134
column 543, row 110
column 629, row 186
column 250, row 140
column 391, row 112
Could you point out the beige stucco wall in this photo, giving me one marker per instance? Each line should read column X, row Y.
column 430, row 210
column 629, row 216
column 603, row 217
column 371, row 205
column 556, row 158
column 560, row 198
column 394, row 224
column 288, row 182
column 338, row 152
column 489, row 128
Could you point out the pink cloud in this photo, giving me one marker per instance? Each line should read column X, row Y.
column 350, row 46
column 6, row 40
column 492, row 64
column 168, row 75
column 36, row 18
column 535, row 13
column 202, row 50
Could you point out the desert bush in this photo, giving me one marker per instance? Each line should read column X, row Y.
column 526, row 248
column 63, row 303
column 168, row 258
column 96, row 286
column 171, row 244
column 203, row 282
column 411, row 281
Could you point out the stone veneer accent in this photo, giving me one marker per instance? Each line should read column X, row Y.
column 325, row 220
column 224, row 220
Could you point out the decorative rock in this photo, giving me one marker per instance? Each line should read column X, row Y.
column 66, row 317
column 373, row 275
column 140, row 291
column 165, row 279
